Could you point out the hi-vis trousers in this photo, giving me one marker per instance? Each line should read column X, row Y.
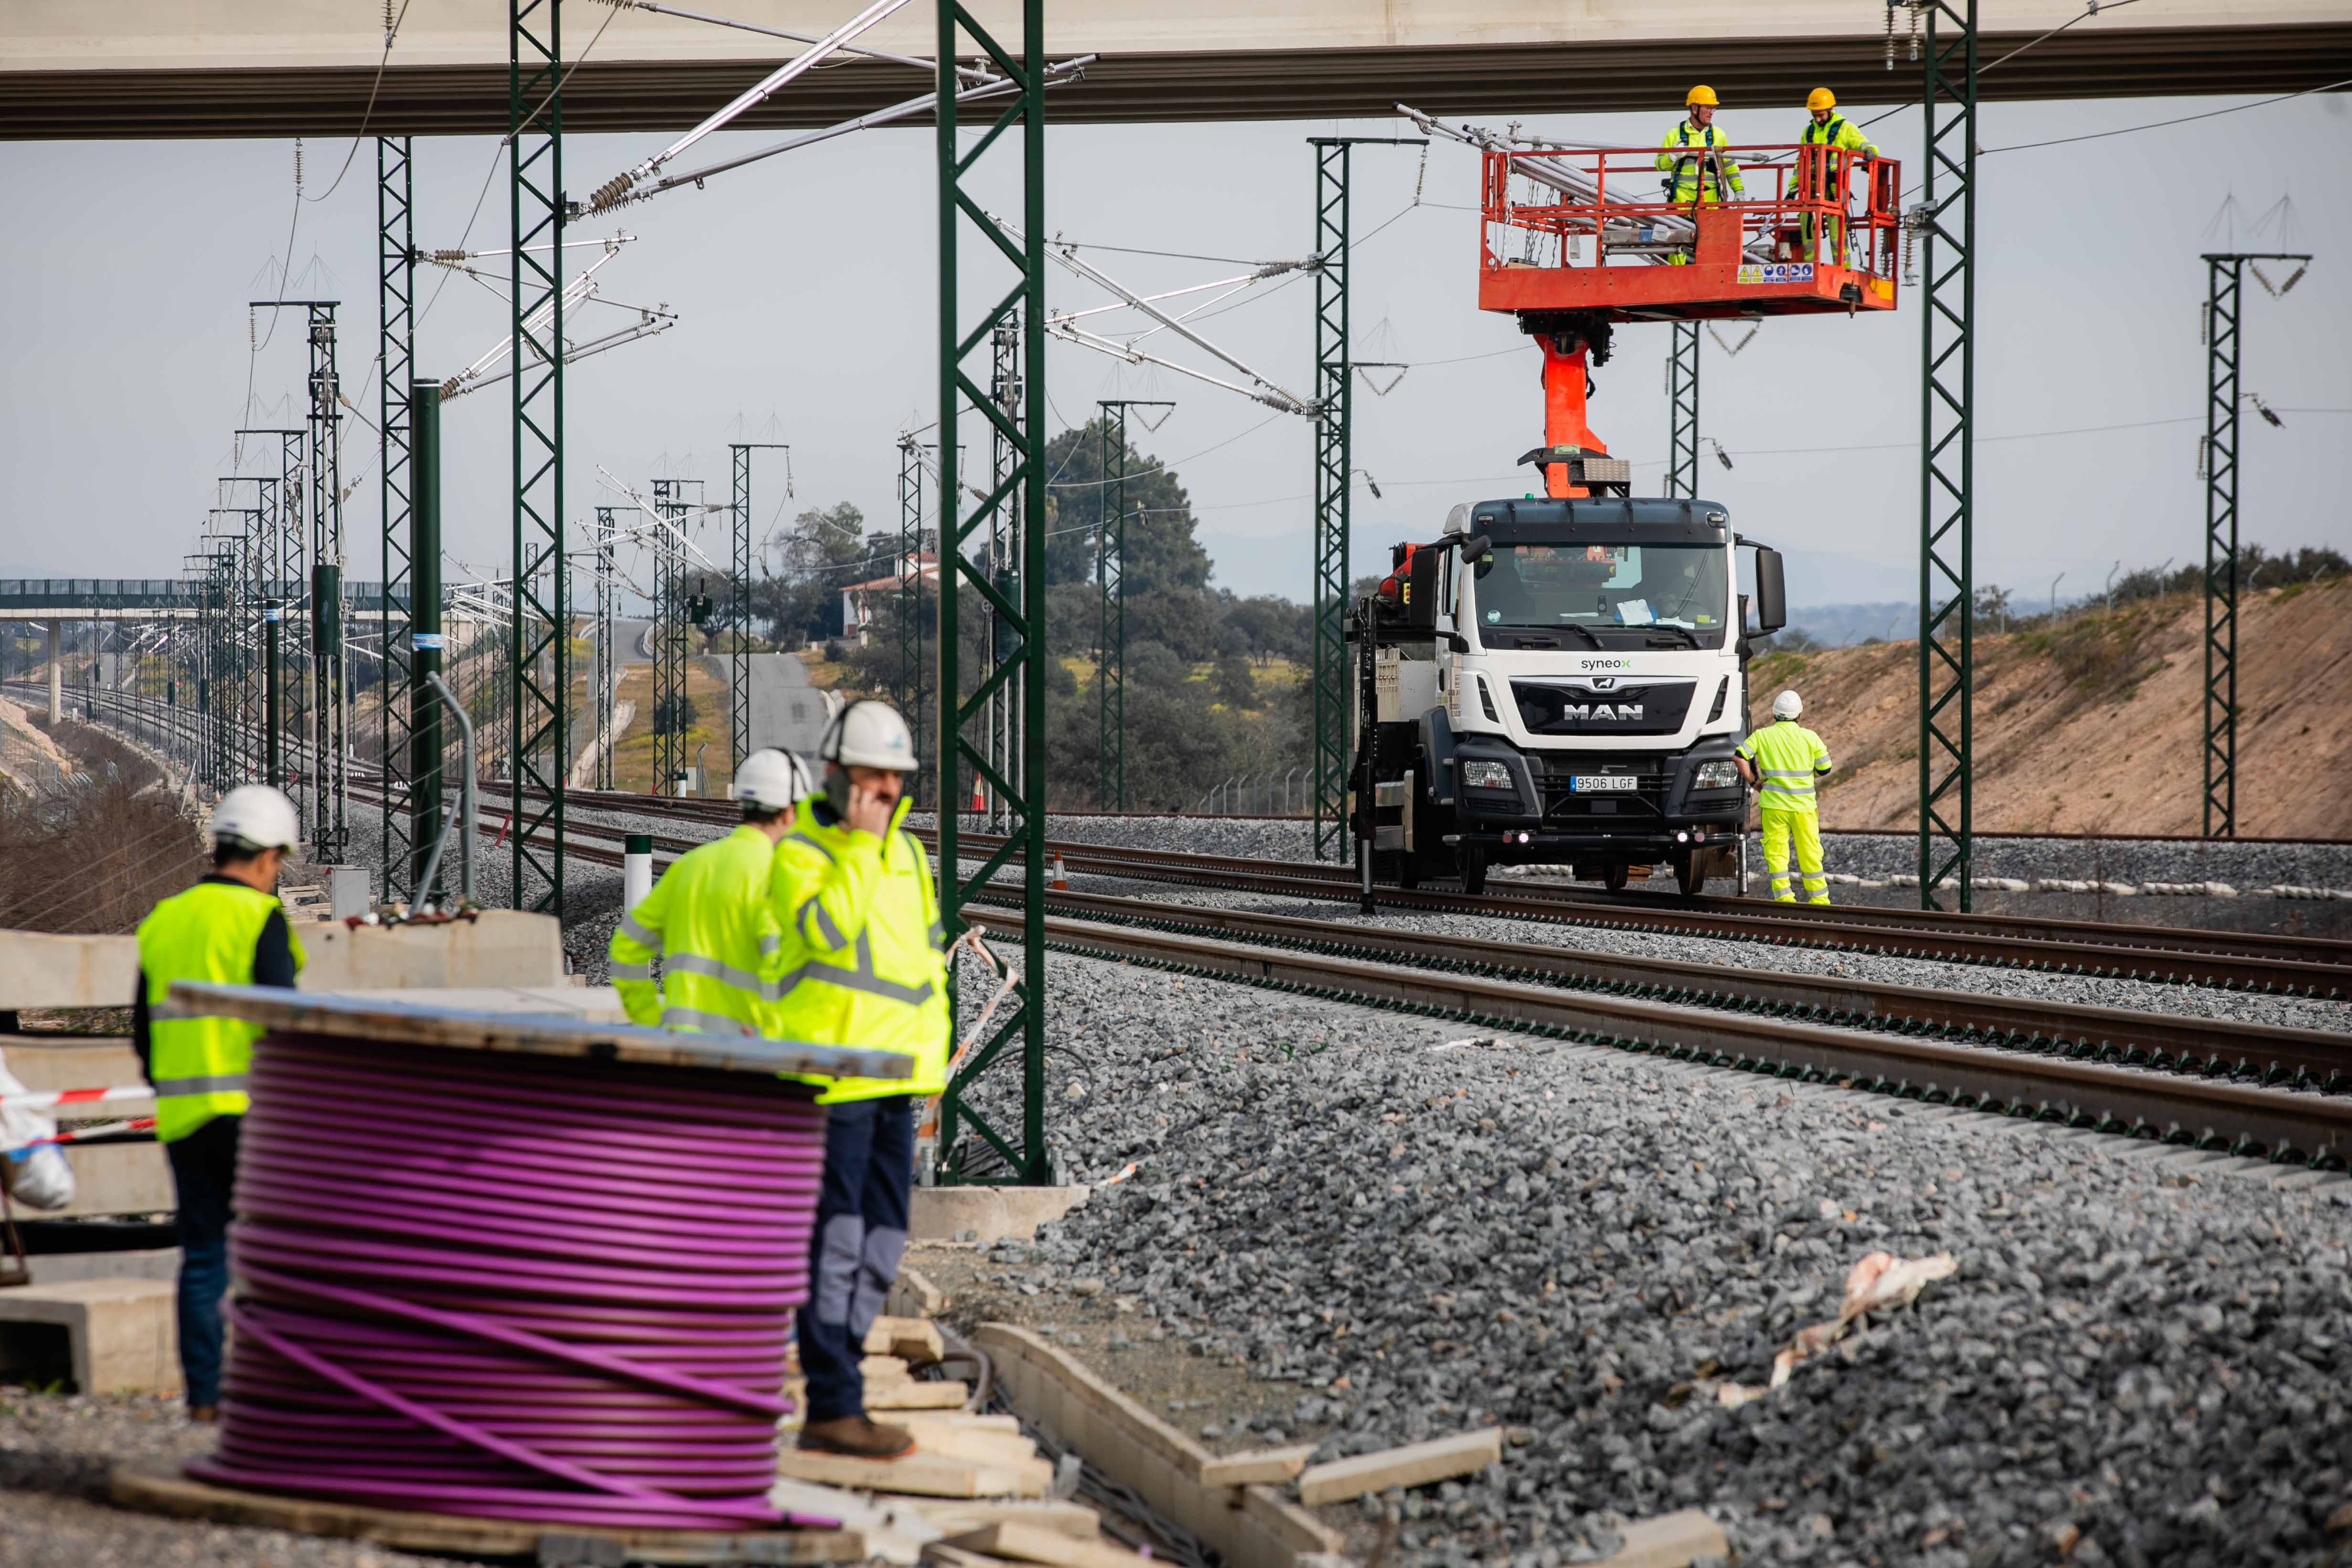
column 1805, row 828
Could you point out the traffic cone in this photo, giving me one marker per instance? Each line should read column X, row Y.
column 979, row 801
column 1060, row 880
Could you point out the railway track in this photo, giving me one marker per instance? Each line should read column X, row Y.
column 2230, row 960
column 2206, row 1084
column 2258, row 962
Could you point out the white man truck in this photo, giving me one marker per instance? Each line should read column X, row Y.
column 1560, row 682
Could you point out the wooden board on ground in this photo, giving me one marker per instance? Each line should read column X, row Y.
column 157, row 1489
column 959, row 1418
column 1028, row 1544
column 913, row 1395
column 973, row 1445
column 1257, row 1466
column 1415, row 1464
column 919, row 1474
column 915, row 1341
column 912, row 1295
column 1042, row 1513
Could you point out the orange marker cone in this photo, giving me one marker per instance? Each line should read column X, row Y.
column 1060, row 879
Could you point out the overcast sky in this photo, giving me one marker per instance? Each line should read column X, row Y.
column 806, row 291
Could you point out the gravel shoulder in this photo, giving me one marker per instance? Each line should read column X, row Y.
column 1399, row 1232
column 55, row 1452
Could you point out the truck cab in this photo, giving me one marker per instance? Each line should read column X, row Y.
column 1564, row 683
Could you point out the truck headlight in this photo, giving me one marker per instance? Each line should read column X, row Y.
column 1476, row 775
column 1717, row 774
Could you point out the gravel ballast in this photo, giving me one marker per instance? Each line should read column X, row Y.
column 2149, row 1362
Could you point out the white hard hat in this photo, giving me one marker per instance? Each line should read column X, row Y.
column 1788, row 704
column 772, row 780
column 870, row 734
column 258, row 817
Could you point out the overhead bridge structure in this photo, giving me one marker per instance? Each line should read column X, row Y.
column 123, row 68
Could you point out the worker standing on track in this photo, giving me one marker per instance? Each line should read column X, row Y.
column 231, row 928
column 1781, row 760
column 863, row 967
column 1696, row 168
column 1828, row 128
column 708, row 919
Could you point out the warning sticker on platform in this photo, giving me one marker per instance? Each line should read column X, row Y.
column 1777, row 272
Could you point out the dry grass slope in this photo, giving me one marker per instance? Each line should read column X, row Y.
column 2096, row 724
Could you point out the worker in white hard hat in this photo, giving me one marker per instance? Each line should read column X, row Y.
column 852, row 892
column 228, row 928
column 709, row 920
column 1781, row 761
column 1825, row 127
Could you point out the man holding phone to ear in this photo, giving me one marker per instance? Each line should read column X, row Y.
column 865, row 947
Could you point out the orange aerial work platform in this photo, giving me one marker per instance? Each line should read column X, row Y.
column 1575, row 241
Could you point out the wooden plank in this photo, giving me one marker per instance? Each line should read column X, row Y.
column 1046, row 1513
column 159, row 1487
column 977, row 1447
column 40, row 970
column 1415, row 1464
column 403, row 1024
column 876, row 1369
column 918, row 1474
column 912, row 1295
column 1062, row 1397
column 945, row 1556
column 913, row 1395
column 1670, row 1540
column 960, row 1418
column 1028, row 1544
column 912, row 1339
column 1257, row 1466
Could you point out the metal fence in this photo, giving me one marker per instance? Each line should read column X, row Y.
column 1259, row 795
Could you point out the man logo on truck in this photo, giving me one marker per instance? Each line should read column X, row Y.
column 1601, row 710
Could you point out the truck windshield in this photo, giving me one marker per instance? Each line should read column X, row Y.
column 1604, row 588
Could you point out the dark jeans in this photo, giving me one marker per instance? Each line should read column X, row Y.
column 861, row 1232
column 204, row 1169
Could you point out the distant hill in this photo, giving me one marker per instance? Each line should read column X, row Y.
column 2093, row 722
column 1835, row 625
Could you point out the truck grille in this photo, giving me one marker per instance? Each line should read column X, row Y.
column 1645, row 802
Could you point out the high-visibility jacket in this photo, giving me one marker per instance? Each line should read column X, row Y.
column 1838, row 133
column 863, row 948
column 1690, row 154
column 199, row 1062
column 1790, row 757
column 710, row 922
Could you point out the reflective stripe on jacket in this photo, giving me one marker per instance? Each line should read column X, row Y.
column 1840, row 135
column 1686, row 154
column 1790, row 758
column 199, row 1062
column 861, row 948
column 709, row 922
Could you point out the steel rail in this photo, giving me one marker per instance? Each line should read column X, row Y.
column 2286, row 1126
column 2266, row 1053
column 2158, row 955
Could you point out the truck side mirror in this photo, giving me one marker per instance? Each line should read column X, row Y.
column 1421, row 590
column 1772, row 593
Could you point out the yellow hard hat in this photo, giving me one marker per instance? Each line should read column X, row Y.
column 1820, row 97
column 1701, row 94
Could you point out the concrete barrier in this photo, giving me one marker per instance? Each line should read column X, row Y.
column 500, row 948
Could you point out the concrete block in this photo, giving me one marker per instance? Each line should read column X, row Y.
column 118, row 1178
column 498, row 948
column 46, row 1062
column 38, row 971
column 946, row 1213
column 144, row 1263
column 123, row 1334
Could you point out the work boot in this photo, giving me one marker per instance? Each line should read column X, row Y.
column 857, row 1437
column 205, row 1415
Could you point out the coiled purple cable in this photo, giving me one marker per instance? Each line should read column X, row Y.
column 520, row 1287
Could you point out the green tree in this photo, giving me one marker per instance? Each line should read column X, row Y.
column 1162, row 556
column 824, row 553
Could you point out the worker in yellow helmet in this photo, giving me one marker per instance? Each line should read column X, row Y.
column 1781, row 761
column 228, row 928
column 1693, row 158
column 1828, row 129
